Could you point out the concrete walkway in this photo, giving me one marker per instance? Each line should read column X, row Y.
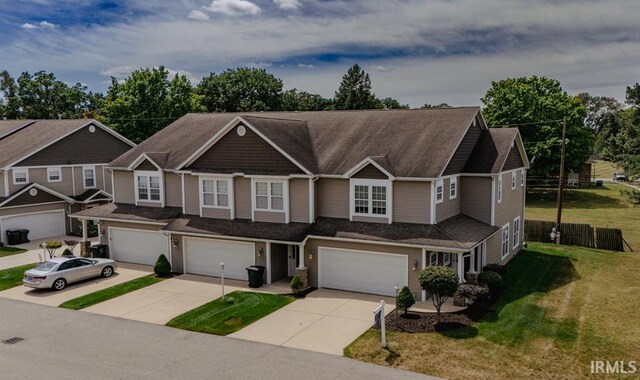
column 325, row 321
column 34, row 252
column 161, row 302
column 51, row 297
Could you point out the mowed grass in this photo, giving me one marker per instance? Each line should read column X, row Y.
column 239, row 309
column 109, row 293
column 564, row 307
column 12, row 277
column 605, row 169
column 8, row 251
column 600, row 207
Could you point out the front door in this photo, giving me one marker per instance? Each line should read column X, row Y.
column 466, row 264
column 294, row 251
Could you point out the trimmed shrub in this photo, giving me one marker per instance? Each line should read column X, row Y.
column 499, row 269
column 67, row 252
column 441, row 282
column 296, row 284
column 473, row 292
column 162, row 267
column 405, row 299
column 492, row 280
column 52, row 247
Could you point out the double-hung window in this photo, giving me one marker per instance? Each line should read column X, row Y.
column 269, row 195
column 54, row 174
column 499, row 188
column 215, row 193
column 447, row 259
column 439, row 191
column 370, row 197
column 516, row 232
column 433, row 258
column 453, row 188
column 89, row 177
column 505, row 240
column 148, row 187
column 20, row 176
column 513, row 180
column 522, row 175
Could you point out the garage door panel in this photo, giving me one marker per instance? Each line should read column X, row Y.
column 203, row 256
column 41, row 225
column 362, row 271
column 138, row 246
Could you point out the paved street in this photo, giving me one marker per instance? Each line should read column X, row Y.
column 66, row 344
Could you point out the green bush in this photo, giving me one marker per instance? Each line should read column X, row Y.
column 51, row 247
column 499, row 269
column 296, row 284
column 162, row 267
column 441, row 282
column 405, row 299
column 67, row 252
column 633, row 196
column 493, row 280
column 473, row 292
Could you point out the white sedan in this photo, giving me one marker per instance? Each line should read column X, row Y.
column 60, row 271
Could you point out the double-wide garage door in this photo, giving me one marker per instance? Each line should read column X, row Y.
column 41, row 225
column 362, row 271
column 203, row 256
column 138, row 246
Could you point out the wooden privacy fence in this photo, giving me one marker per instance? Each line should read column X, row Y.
column 582, row 235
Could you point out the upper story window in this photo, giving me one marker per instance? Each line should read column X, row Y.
column 215, row 192
column 499, row 190
column 505, row 240
column 370, row 197
column 148, row 188
column 439, row 191
column 522, row 175
column 513, row 180
column 20, row 176
column 89, row 177
column 269, row 195
column 453, row 188
column 54, row 174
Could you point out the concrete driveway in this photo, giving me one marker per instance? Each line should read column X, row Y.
column 161, row 302
column 325, row 321
column 50, row 297
column 34, row 252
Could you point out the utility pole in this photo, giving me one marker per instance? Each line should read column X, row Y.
column 561, row 182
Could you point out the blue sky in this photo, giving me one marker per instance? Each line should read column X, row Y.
column 417, row 51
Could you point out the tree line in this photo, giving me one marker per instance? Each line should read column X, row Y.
column 150, row 99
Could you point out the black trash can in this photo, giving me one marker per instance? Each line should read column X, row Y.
column 100, row 251
column 599, row 183
column 13, row 237
column 256, row 275
column 24, row 236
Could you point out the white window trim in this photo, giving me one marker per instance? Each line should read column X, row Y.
column 230, row 192
column 146, row 173
column 502, row 241
column 439, row 184
column 84, row 177
column 285, row 194
column 446, row 260
column 371, row 182
column 499, row 190
column 57, row 168
column 431, row 256
column 516, row 232
column 522, row 176
column 17, row 171
column 513, row 180
column 453, row 190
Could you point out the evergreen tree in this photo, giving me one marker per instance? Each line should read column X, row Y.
column 355, row 92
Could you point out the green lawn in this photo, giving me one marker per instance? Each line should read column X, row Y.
column 239, row 309
column 600, row 207
column 605, row 169
column 564, row 307
column 109, row 293
column 12, row 277
column 8, row 251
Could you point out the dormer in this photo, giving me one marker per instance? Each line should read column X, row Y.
column 371, row 191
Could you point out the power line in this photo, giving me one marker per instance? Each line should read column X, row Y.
column 523, row 124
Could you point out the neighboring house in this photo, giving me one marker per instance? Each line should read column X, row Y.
column 352, row 200
column 51, row 168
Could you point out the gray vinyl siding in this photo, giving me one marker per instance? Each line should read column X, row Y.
column 333, row 198
column 62, row 205
column 269, row 216
column 217, row 213
column 514, row 160
column 107, row 181
column 26, row 198
column 464, row 150
column 124, row 186
column 370, row 219
column 2, row 177
column 371, row 172
column 299, row 200
column 411, row 202
column 242, row 195
column 448, row 207
column 511, row 207
column 146, row 165
column 191, row 195
column 172, row 190
column 39, row 175
column 475, row 197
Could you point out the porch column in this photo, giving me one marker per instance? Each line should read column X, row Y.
column 424, row 265
column 268, row 258
column 301, row 256
column 84, row 230
column 460, row 267
column 85, row 244
column 301, row 270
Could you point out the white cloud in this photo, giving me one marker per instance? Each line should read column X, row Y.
column 27, row 25
column 47, row 25
column 198, row 15
column 234, row 7
column 381, row 68
column 123, row 72
column 288, row 5
column 41, row 25
column 305, row 66
column 260, row 65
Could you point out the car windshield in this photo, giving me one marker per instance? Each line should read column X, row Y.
column 46, row 266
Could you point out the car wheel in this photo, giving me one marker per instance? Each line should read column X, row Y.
column 59, row 284
column 107, row 272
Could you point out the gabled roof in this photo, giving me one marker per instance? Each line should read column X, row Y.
column 492, row 149
column 8, row 127
column 92, row 195
column 39, row 134
column 415, row 143
column 6, row 200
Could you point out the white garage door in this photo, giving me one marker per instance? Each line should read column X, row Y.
column 137, row 246
column 203, row 256
column 41, row 225
column 362, row 271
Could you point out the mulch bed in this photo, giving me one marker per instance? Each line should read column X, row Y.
column 425, row 322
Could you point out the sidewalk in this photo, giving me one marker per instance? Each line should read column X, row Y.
column 34, row 253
